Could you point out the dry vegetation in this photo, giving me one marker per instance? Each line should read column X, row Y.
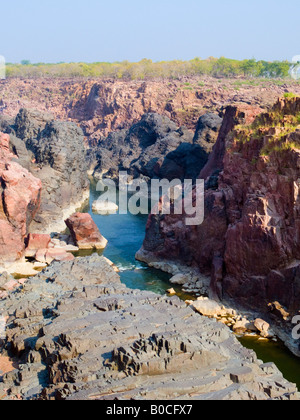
column 145, row 69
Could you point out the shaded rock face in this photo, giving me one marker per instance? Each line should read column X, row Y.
column 141, row 149
column 156, row 148
column 207, row 131
column 249, row 240
column 54, row 152
column 80, row 334
column 233, row 115
column 184, row 163
column 20, row 201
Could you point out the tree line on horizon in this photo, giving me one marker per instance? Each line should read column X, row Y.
column 146, row 69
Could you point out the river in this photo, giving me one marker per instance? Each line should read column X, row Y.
column 125, row 234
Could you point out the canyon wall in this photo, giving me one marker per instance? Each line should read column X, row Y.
column 249, row 241
column 100, row 106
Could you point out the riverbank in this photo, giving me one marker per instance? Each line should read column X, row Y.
column 79, row 333
column 125, row 234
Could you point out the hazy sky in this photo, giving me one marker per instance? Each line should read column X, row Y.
column 115, row 30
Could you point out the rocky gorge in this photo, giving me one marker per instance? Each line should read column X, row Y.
column 74, row 331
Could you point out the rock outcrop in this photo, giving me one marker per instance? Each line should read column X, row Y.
column 207, row 131
column 140, row 150
column 78, row 333
column 54, row 152
column 249, row 240
column 20, row 201
column 156, row 148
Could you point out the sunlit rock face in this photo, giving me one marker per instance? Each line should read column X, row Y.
column 20, row 201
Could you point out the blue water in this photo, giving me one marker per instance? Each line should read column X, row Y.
column 125, row 235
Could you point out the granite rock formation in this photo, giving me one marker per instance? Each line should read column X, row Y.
column 78, row 333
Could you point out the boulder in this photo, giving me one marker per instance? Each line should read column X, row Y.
column 104, row 207
column 10, row 285
column 207, row 131
column 47, row 255
column 207, row 307
column 262, row 326
column 5, row 277
column 40, row 256
column 171, row 292
column 241, row 326
column 22, row 269
column 85, row 232
column 58, row 254
column 180, row 279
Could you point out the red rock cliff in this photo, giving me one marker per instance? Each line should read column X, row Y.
column 20, row 200
column 249, row 241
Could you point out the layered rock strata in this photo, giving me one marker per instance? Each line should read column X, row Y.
column 78, row 333
column 102, row 106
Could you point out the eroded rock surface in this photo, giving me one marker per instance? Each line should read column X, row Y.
column 102, row 106
column 142, row 148
column 78, row 333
